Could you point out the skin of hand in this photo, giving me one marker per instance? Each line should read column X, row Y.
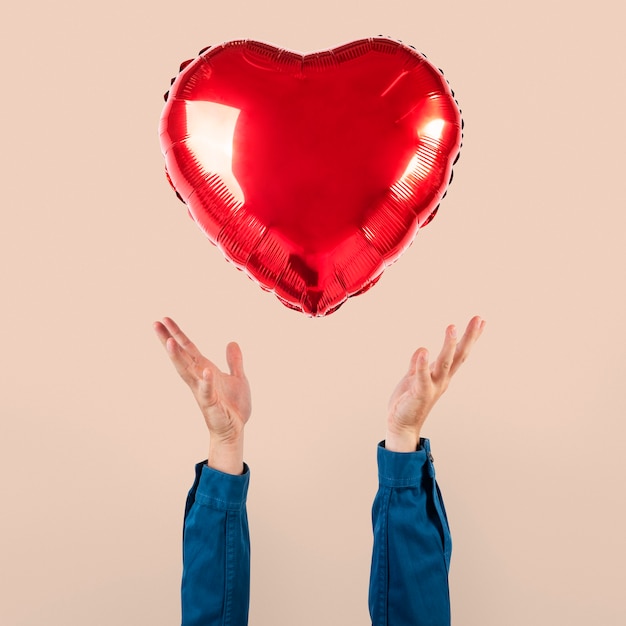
column 223, row 398
column 225, row 401
column 423, row 385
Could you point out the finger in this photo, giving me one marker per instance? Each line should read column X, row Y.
column 182, row 339
column 234, row 358
column 165, row 337
column 182, row 361
column 207, row 386
column 464, row 347
column 421, row 368
column 443, row 365
column 162, row 333
column 413, row 362
column 171, row 346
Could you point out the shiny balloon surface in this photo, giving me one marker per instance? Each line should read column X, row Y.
column 311, row 173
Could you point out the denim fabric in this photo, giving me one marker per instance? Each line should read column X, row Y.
column 215, row 589
column 410, row 558
column 412, row 543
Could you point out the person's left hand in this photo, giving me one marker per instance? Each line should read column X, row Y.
column 423, row 384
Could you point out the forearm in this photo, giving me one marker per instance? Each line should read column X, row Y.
column 216, row 550
column 410, row 559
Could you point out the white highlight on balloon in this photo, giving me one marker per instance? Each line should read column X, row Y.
column 433, row 129
column 211, row 129
column 410, row 168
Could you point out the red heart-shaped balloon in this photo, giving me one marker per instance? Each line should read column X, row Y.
column 311, row 172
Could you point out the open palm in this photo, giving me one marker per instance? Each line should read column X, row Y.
column 424, row 383
column 223, row 398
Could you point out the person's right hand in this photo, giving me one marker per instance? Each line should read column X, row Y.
column 224, row 399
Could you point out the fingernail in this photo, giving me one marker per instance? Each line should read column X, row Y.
column 453, row 332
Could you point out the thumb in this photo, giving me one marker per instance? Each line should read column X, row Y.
column 234, row 358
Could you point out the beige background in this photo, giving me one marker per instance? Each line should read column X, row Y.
column 98, row 437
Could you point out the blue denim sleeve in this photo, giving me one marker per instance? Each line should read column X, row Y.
column 412, row 543
column 216, row 550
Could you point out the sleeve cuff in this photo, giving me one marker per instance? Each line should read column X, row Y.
column 226, row 492
column 404, row 469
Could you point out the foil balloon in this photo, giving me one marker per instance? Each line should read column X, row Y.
column 311, row 173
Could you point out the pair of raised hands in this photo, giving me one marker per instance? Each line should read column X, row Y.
column 225, row 402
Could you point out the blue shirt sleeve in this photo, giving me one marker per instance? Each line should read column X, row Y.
column 215, row 588
column 410, row 559
column 412, row 543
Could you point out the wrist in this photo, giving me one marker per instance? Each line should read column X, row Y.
column 402, row 441
column 226, row 455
